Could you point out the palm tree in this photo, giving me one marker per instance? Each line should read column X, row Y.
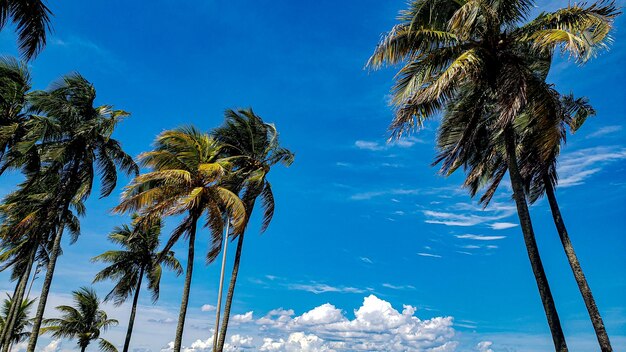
column 186, row 171
column 84, row 322
column 75, row 144
column 15, row 83
column 32, row 21
column 253, row 146
column 127, row 267
column 538, row 150
column 17, row 333
column 480, row 53
column 24, row 239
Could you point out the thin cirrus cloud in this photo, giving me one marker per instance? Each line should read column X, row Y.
column 318, row 288
column 480, row 237
column 603, row 131
column 576, row 167
column 502, row 225
column 430, row 255
column 377, row 146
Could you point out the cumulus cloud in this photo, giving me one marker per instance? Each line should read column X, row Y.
column 242, row 318
column 484, row 346
column 53, row 346
column 376, row 326
column 207, row 308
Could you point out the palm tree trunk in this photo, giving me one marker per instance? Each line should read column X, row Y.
column 583, row 286
column 17, row 299
column 185, row 300
column 519, row 195
column 45, row 290
column 133, row 311
column 229, row 296
column 66, row 193
column 221, row 286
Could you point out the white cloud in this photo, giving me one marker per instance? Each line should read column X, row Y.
column 398, row 287
column 480, row 237
column 469, row 214
column 428, row 255
column 575, row 167
column 602, row 131
column 366, row 260
column 376, row 326
column 207, row 308
column 502, row 225
column 368, row 145
column 235, row 343
column 53, row 346
column 484, row 346
column 377, row 146
column 242, row 318
column 317, row 288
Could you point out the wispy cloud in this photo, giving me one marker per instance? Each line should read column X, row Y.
column 467, row 214
column 575, row 167
column 366, row 260
column 207, row 308
column 480, row 237
column 398, row 287
column 602, row 131
column 422, row 254
column 318, row 288
column 502, row 225
column 407, row 142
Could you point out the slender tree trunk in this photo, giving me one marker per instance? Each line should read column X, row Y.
column 133, row 311
column 45, row 289
column 82, row 349
column 185, row 300
column 221, row 286
column 531, row 245
column 229, row 296
column 583, row 286
column 5, row 328
column 66, row 193
column 17, row 299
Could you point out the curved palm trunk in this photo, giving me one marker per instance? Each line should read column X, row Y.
column 133, row 311
column 45, row 289
column 531, row 245
column 185, row 300
column 221, row 286
column 583, row 286
column 229, row 296
column 17, row 299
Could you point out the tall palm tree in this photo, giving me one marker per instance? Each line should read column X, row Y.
column 32, row 21
column 24, row 239
column 538, row 149
column 254, row 148
column 481, row 52
column 17, row 333
column 186, row 171
column 84, row 322
column 127, row 267
column 75, row 144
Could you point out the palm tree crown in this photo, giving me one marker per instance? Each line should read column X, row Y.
column 84, row 321
column 32, row 21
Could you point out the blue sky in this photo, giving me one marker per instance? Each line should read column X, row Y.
column 361, row 226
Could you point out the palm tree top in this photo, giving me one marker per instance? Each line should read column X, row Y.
column 84, row 321
column 32, row 21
